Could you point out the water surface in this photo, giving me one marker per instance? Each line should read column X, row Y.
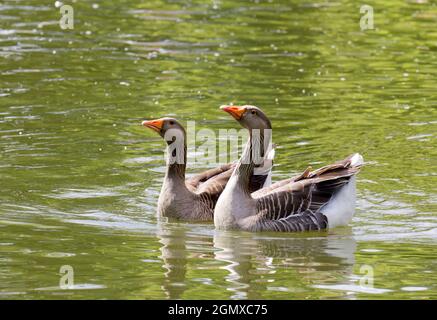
column 80, row 177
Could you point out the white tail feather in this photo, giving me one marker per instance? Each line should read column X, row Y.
column 357, row 160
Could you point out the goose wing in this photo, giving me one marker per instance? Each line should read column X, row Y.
column 214, row 185
column 295, row 204
column 214, row 180
column 202, row 177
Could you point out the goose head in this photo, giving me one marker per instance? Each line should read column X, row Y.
column 250, row 117
column 168, row 128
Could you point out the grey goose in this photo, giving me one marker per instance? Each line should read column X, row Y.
column 314, row 200
column 193, row 198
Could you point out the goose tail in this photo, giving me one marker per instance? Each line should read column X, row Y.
column 356, row 160
column 341, row 207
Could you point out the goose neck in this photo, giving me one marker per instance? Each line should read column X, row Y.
column 253, row 155
column 176, row 161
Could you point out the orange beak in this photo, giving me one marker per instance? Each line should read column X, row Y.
column 155, row 125
column 235, row 111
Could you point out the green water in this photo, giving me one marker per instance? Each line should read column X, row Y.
column 80, row 177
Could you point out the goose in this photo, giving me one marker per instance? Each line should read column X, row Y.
column 193, row 198
column 314, row 200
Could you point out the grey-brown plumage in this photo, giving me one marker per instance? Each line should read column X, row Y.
column 193, row 198
column 302, row 203
column 297, row 204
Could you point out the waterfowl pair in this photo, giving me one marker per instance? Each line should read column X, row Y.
column 194, row 198
column 314, row 200
column 232, row 194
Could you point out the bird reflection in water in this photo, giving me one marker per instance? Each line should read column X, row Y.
column 257, row 265
column 263, row 262
column 174, row 256
column 181, row 250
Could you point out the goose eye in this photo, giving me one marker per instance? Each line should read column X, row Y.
column 253, row 111
column 171, row 122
